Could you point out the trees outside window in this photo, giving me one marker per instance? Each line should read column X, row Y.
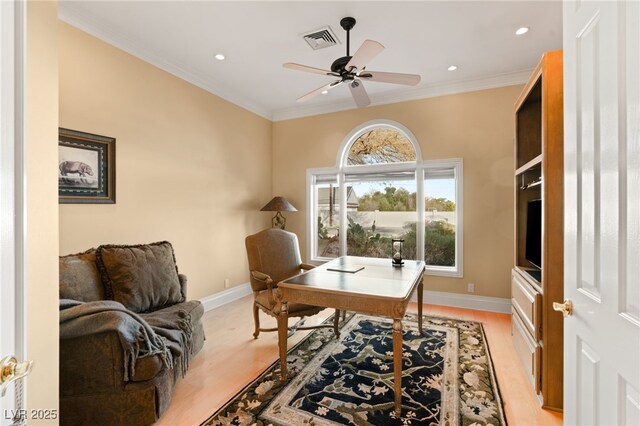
column 381, row 189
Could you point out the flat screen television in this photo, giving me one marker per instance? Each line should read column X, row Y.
column 533, row 249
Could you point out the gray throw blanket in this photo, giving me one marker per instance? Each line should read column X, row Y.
column 175, row 328
column 167, row 334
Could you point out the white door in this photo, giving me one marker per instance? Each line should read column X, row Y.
column 602, row 212
column 11, row 216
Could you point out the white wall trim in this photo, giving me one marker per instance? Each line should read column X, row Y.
column 72, row 16
column 225, row 296
column 456, row 300
column 13, row 339
column 490, row 82
column 467, row 301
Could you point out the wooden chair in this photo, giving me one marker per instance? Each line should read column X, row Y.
column 274, row 255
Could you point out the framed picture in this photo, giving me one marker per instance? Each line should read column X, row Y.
column 86, row 168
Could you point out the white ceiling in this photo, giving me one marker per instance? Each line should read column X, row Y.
column 421, row 37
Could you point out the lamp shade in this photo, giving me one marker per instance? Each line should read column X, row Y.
column 279, row 204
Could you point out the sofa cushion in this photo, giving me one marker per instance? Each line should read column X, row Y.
column 79, row 277
column 142, row 277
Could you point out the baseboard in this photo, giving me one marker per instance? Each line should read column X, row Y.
column 225, row 296
column 467, row 301
column 456, row 300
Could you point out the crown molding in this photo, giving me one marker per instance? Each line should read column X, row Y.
column 491, row 82
column 72, row 16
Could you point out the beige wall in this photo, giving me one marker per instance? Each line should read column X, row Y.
column 192, row 168
column 42, row 200
column 476, row 126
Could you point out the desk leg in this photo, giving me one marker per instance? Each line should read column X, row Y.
column 397, row 364
column 283, row 320
column 420, row 294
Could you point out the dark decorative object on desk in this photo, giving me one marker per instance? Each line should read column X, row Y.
column 396, row 250
column 278, row 204
column 86, row 168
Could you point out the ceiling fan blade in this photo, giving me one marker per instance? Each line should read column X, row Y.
column 369, row 50
column 359, row 94
column 391, row 77
column 319, row 90
column 305, row 68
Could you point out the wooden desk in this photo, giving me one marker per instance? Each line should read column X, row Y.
column 379, row 289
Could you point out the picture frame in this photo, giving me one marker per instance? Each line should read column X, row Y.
column 86, row 168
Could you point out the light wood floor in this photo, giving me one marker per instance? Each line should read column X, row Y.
column 231, row 358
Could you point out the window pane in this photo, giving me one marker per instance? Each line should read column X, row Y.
column 382, row 145
column 379, row 211
column 440, row 221
column 328, row 219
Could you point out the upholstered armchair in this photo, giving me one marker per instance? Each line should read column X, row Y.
column 274, row 255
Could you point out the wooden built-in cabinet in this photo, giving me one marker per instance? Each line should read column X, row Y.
column 537, row 276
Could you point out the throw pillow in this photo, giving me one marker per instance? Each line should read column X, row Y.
column 142, row 277
column 79, row 278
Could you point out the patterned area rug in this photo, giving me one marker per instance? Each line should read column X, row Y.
column 448, row 379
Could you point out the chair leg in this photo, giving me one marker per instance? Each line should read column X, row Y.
column 344, row 315
column 336, row 322
column 256, row 321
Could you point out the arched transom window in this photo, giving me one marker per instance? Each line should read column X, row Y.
column 382, row 189
column 381, row 145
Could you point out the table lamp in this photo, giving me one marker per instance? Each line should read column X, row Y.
column 278, row 204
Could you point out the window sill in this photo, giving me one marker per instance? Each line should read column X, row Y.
column 443, row 272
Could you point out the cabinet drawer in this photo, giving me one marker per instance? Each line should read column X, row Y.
column 527, row 349
column 527, row 301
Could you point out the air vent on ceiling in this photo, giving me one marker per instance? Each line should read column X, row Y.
column 319, row 39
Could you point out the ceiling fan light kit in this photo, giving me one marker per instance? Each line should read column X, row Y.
column 351, row 69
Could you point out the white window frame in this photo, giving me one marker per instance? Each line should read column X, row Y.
column 419, row 167
column 312, row 218
column 457, row 165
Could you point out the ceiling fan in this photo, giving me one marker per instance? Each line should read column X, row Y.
column 352, row 70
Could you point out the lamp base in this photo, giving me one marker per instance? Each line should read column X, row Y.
column 278, row 221
column 397, row 265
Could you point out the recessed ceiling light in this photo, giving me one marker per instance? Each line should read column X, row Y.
column 522, row 30
column 324, row 92
column 452, row 68
column 220, row 57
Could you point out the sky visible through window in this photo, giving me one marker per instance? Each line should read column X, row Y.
column 435, row 188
